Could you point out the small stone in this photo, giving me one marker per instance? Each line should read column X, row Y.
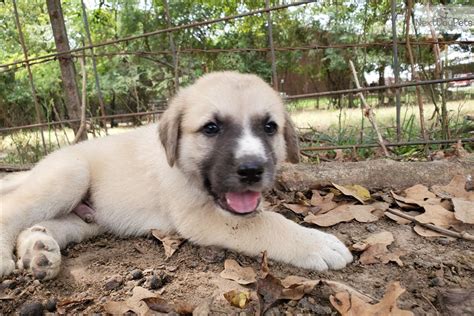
column 50, row 305
column 274, row 311
column 292, row 303
column 171, row 268
column 136, row 274
column 113, row 283
column 31, row 309
column 155, row 282
column 443, row 241
column 36, row 283
column 371, row 228
column 9, row 284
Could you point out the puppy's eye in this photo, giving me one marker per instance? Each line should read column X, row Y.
column 210, row 129
column 270, row 128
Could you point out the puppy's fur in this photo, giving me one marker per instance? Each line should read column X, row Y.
column 217, row 148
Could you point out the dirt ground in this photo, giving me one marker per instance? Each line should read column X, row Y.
column 107, row 269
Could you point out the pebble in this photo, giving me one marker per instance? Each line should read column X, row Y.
column 10, row 284
column 136, row 274
column 274, row 311
column 50, row 305
column 171, row 268
column 113, row 283
column 443, row 241
column 309, row 303
column 31, row 309
column 155, row 282
column 371, row 228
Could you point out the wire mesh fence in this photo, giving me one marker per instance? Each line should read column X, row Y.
column 54, row 126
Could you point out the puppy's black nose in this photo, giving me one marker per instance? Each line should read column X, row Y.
column 250, row 172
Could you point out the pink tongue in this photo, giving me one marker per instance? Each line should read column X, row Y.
column 243, row 202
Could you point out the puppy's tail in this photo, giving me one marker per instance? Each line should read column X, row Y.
column 12, row 181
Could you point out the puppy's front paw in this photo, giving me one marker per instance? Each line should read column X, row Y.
column 39, row 253
column 7, row 265
column 323, row 251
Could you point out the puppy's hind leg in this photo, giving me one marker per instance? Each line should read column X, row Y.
column 38, row 247
column 52, row 188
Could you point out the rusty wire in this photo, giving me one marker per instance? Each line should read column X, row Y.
column 386, row 44
column 398, row 144
column 287, row 98
column 161, row 31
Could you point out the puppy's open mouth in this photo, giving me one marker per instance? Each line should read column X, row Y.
column 239, row 202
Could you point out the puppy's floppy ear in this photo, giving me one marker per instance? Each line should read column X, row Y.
column 169, row 130
column 291, row 139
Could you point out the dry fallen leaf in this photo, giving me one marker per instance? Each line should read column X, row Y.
column 411, row 203
column 463, row 210
column 233, row 271
column 437, row 215
column 455, row 189
column 351, row 305
column 296, row 287
column 376, row 251
column 170, row 243
column 269, row 290
column 325, row 203
column 401, row 220
column 425, row 232
column 134, row 304
column 384, row 238
column 346, row 213
column 297, row 208
column 358, row 192
column 419, row 192
column 238, row 298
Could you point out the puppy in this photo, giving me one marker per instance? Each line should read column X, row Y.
column 200, row 173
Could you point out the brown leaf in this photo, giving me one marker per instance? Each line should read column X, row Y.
column 170, row 243
column 161, row 305
column 264, row 270
column 233, row 271
column 325, row 203
column 296, row 287
column 398, row 219
column 351, row 305
column 238, row 298
column 134, row 304
column 358, row 192
column 419, row 193
column 405, row 202
column 269, row 290
column 384, row 238
column 437, row 215
column 346, row 213
column 425, row 232
column 297, row 208
column 455, row 189
column 376, row 251
column 463, row 210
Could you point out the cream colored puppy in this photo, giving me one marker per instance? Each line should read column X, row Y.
column 200, row 173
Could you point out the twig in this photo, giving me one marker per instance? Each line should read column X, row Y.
column 368, row 110
column 82, row 127
column 431, row 304
column 444, row 231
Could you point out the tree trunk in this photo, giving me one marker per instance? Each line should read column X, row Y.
column 68, row 72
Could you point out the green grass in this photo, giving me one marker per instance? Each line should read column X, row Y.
column 330, row 127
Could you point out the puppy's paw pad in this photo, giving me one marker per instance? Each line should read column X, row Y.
column 41, row 254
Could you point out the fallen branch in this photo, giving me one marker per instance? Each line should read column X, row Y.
column 368, row 111
column 444, row 231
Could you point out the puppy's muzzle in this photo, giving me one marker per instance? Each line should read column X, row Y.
column 251, row 171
